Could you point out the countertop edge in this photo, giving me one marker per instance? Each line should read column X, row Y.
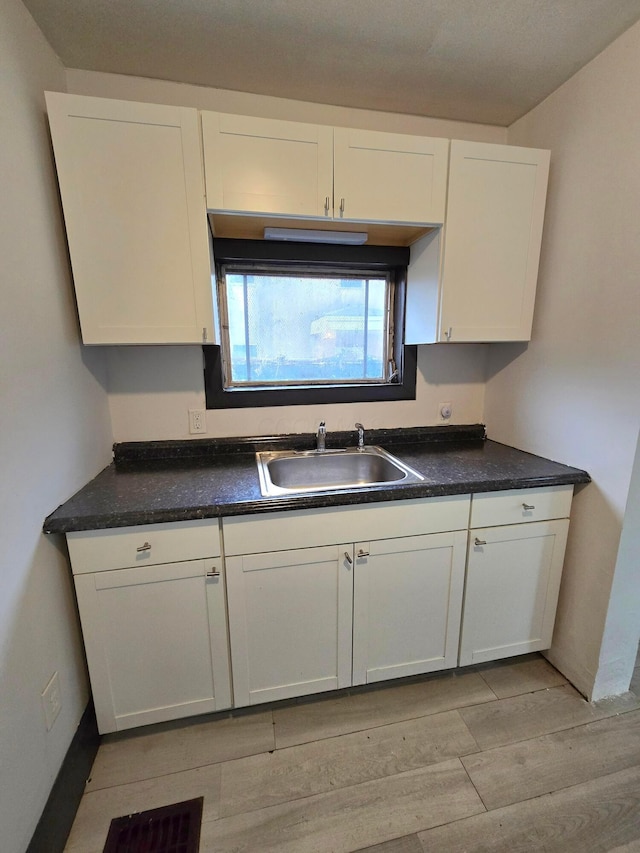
column 309, row 501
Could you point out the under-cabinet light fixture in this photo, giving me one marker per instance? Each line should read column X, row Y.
column 304, row 235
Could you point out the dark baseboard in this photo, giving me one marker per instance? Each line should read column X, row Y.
column 57, row 818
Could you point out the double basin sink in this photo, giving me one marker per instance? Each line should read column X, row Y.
column 291, row 472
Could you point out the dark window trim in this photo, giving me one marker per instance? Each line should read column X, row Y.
column 227, row 249
column 230, row 250
column 218, row 398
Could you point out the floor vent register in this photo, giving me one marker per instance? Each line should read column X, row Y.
column 169, row 829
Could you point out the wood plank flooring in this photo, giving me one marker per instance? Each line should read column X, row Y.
column 502, row 757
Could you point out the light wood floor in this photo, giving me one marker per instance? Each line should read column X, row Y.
column 503, row 757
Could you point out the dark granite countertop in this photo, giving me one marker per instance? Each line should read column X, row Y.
column 208, row 478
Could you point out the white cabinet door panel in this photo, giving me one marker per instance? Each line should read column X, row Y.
column 290, row 622
column 148, row 642
column 511, row 593
column 407, row 605
column 495, row 211
column 257, row 165
column 389, row 177
column 132, row 191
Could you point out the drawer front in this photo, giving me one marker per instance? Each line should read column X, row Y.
column 279, row 531
column 143, row 545
column 514, row 506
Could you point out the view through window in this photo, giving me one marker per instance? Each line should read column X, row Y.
column 300, row 327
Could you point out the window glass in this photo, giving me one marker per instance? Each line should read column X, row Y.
column 283, row 327
column 308, row 324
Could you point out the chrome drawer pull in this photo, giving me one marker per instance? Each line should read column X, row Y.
column 347, row 557
column 477, row 541
column 528, row 506
column 213, row 573
column 145, row 547
column 362, row 553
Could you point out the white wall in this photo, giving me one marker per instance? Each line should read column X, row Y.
column 573, row 393
column 204, row 98
column 54, row 436
column 151, row 389
column 622, row 628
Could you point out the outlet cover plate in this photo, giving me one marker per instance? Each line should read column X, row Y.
column 197, row 421
column 52, row 700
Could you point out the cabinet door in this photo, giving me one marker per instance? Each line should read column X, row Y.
column 290, row 622
column 495, row 211
column 407, row 605
column 132, row 191
column 156, row 645
column 389, row 177
column 256, row 165
column 513, row 579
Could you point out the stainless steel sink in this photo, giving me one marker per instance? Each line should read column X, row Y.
column 289, row 472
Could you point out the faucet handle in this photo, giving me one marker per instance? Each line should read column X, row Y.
column 321, row 436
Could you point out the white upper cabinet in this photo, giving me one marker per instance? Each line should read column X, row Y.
column 257, row 165
column 389, row 177
column 283, row 168
column 132, row 192
column 492, row 237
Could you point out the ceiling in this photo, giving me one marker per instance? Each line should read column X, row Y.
column 486, row 61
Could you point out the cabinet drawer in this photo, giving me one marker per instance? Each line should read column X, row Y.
column 143, row 545
column 515, row 506
column 279, row 531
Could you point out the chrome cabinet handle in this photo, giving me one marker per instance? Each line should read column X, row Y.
column 362, row 553
column 145, row 547
column 477, row 541
column 341, row 208
column 326, row 206
column 528, row 506
column 347, row 557
column 213, row 573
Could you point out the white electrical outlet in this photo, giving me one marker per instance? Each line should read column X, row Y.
column 197, row 421
column 52, row 700
column 445, row 411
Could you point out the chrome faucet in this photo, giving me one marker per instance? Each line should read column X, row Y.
column 321, row 436
column 360, row 429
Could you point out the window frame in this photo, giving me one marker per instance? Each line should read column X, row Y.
column 394, row 259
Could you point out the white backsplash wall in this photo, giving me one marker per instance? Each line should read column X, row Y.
column 151, row 390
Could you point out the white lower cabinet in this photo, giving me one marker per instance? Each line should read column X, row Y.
column 308, row 619
column 513, row 572
column 155, row 633
column 315, row 599
column 407, row 604
column 290, row 618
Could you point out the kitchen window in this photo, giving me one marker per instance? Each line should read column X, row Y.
column 308, row 324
